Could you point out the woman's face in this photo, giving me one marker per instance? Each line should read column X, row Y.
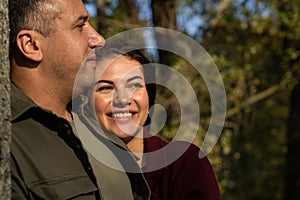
column 121, row 98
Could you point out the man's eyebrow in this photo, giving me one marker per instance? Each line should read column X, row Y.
column 82, row 18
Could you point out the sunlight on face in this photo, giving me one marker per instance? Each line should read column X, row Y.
column 121, row 98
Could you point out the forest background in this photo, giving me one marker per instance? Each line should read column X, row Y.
column 256, row 46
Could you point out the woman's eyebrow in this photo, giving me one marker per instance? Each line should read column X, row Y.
column 135, row 77
column 104, row 81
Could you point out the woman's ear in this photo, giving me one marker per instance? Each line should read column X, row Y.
column 28, row 42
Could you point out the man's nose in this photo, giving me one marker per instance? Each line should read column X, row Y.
column 95, row 39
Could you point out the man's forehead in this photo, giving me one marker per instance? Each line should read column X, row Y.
column 71, row 8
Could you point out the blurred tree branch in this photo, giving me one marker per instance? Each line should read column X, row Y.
column 224, row 4
column 261, row 96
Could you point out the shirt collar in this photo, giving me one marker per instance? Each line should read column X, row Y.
column 20, row 103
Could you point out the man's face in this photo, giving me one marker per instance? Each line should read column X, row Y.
column 66, row 48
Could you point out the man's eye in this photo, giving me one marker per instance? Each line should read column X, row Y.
column 80, row 26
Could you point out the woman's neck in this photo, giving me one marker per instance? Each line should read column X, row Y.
column 136, row 146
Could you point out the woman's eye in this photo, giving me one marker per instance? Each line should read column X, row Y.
column 135, row 85
column 104, row 88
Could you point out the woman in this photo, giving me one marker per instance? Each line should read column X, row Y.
column 122, row 100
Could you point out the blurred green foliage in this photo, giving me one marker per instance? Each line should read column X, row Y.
column 256, row 46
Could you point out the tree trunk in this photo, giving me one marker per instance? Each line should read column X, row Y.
column 129, row 7
column 101, row 22
column 164, row 15
column 292, row 188
column 5, row 127
column 125, row 17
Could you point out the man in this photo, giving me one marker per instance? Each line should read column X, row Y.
column 49, row 40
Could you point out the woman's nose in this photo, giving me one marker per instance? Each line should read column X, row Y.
column 121, row 98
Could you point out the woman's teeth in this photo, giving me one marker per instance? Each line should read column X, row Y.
column 121, row 115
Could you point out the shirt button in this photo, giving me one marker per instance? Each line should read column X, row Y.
column 64, row 127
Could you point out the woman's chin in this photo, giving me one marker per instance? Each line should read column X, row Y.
column 126, row 133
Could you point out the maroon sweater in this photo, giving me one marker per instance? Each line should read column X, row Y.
column 187, row 178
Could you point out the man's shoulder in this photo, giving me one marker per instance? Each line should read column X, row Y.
column 19, row 102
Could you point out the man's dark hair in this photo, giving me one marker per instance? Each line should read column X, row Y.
column 36, row 15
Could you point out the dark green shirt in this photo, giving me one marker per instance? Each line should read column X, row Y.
column 49, row 162
column 45, row 155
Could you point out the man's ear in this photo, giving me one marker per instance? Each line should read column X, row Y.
column 28, row 42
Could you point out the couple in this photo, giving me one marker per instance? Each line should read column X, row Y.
column 49, row 40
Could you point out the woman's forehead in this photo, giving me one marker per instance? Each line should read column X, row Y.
column 121, row 66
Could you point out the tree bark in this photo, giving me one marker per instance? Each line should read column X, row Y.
column 5, row 127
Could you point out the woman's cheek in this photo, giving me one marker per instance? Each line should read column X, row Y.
column 142, row 98
column 101, row 102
